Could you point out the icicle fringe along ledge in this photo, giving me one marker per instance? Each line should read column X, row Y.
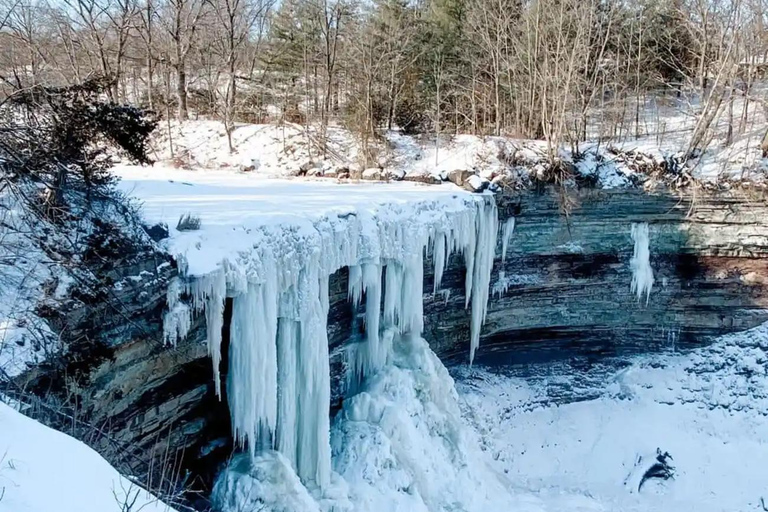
column 279, row 376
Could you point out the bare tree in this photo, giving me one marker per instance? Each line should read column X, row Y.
column 181, row 20
column 236, row 20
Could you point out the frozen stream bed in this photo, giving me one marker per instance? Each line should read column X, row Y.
column 594, row 431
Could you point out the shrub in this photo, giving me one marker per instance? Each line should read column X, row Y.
column 188, row 222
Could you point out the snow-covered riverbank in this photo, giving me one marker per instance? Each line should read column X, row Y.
column 708, row 409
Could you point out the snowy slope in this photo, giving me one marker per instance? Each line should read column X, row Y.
column 291, row 150
column 707, row 409
column 25, row 339
column 42, row 470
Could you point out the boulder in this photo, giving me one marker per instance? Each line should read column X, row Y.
column 458, row 176
column 476, row 184
column 421, row 177
column 395, row 174
column 157, row 232
column 374, row 173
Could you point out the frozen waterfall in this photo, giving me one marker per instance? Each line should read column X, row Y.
column 278, row 384
column 642, row 273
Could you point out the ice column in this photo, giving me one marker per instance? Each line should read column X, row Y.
column 485, row 250
column 642, row 273
column 252, row 387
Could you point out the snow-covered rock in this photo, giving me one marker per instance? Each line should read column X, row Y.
column 457, row 177
column 476, row 183
column 373, row 173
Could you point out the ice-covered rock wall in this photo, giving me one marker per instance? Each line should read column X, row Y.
column 279, row 382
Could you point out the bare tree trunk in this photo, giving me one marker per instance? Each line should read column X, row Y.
column 181, row 91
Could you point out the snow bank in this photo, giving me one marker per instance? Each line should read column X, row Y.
column 42, row 470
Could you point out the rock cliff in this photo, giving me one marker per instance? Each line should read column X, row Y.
column 563, row 289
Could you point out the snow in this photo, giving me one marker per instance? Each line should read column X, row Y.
column 272, row 245
column 42, row 470
column 642, row 273
column 261, row 149
column 25, row 339
column 706, row 408
column 666, row 124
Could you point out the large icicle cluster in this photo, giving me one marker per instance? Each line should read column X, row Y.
column 279, row 378
column 642, row 273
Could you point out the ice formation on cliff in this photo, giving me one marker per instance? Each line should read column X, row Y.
column 502, row 284
column 642, row 273
column 279, row 377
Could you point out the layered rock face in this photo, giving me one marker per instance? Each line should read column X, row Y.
column 562, row 290
column 568, row 277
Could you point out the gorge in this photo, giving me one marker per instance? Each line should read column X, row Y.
column 622, row 271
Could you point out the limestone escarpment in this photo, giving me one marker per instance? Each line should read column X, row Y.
column 566, row 291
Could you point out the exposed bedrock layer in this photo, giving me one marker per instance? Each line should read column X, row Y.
column 563, row 289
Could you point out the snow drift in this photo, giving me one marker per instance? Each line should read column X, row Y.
column 42, row 470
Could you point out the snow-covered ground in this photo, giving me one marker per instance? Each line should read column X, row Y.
column 42, row 470
column 231, row 206
column 708, row 409
column 667, row 123
column 25, row 339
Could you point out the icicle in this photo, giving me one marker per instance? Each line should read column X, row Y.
column 439, row 256
column 176, row 323
column 642, row 273
column 314, row 388
column 287, row 377
column 214, row 321
column 506, row 235
column 355, row 286
column 502, row 283
column 252, row 388
column 324, row 294
column 178, row 319
column 487, row 229
column 393, row 284
column 469, row 249
column 412, row 296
